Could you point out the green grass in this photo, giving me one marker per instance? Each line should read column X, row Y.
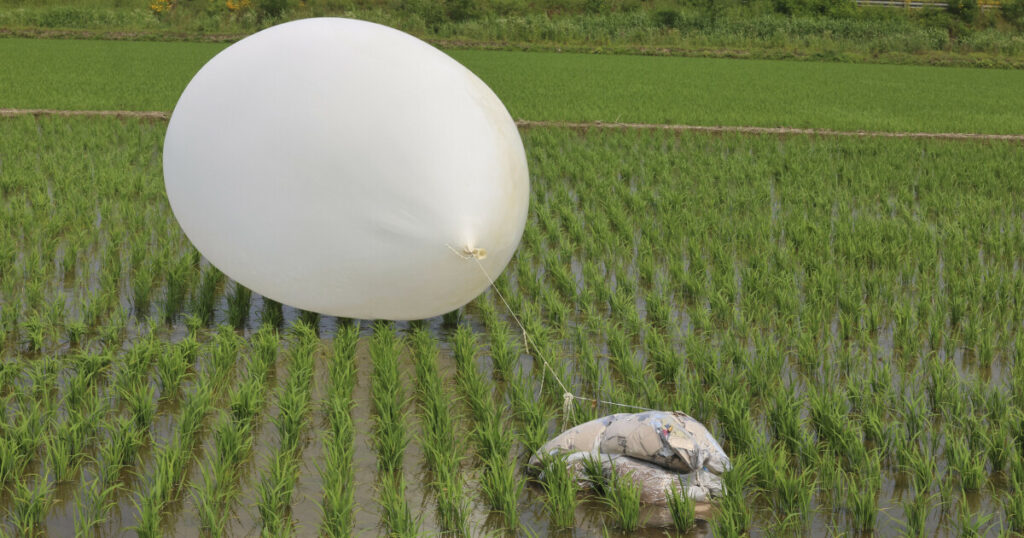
column 573, row 87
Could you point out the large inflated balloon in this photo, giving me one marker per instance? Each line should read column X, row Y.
column 347, row 168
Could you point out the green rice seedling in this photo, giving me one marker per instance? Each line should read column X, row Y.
column 36, row 333
column 210, row 499
column 233, row 441
column 1013, row 506
column 239, row 300
column 177, row 282
column 738, row 430
column 292, row 417
column 921, row 466
column 310, row 319
column 962, row 459
column 62, row 460
column 272, row 314
column 338, row 474
column 915, row 514
column 223, row 355
column 396, row 515
column 294, row 397
column 93, row 504
column 501, row 488
column 120, row 450
column 30, row 505
column 622, row 496
column 274, row 493
column 681, row 507
column 205, row 299
column 140, row 398
column 246, row 401
column 665, row 360
column 971, row 524
column 438, row 437
column 862, row 502
column 142, row 287
column 946, row 492
column 504, row 350
column 12, row 460
column 171, row 366
column 264, row 344
column 531, row 412
column 997, row 445
column 112, row 334
column 390, row 435
column 593, row 470
column 792, row 493
column 560, row 492
column 786, row 424
column 452, row 505
column 193, row 413
column 734, row 517
column 491, row 435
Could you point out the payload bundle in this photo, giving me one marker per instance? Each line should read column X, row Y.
column 658, row 449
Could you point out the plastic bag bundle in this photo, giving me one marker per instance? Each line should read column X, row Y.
column 673, row 440
column 659, row 449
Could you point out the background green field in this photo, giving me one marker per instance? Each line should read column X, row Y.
column 573, row 87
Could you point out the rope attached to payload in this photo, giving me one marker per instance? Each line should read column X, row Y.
column 568, row 398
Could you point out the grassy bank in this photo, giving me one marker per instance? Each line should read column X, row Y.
column 752, row 29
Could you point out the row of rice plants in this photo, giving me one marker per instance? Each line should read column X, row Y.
column 337, row 470
column 294, row 404
column 218, row 487
column 390, row 430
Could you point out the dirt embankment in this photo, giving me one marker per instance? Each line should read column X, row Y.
column 531, row 124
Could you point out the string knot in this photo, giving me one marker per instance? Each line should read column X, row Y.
column 567, row 399
column 478, row 253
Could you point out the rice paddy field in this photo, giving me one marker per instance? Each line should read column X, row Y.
column 844, row 314
column 124, row 75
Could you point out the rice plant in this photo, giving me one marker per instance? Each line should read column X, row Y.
column 338, row 474
column 681, row 507
column 30, row 504
column 239, row 300
column 274, row 493
column 560, row 491
column 396, row 515
column 501, row 487
column 622, row 495
column 388, row 399
column 915, row 514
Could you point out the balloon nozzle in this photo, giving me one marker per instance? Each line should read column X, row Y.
column 477, row 253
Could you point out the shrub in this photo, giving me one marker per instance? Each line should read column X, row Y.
column 1013, row 12
column 270, row 9
column 965, row 10
column 669, row 18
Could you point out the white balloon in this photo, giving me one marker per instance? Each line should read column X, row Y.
column 347, row 168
